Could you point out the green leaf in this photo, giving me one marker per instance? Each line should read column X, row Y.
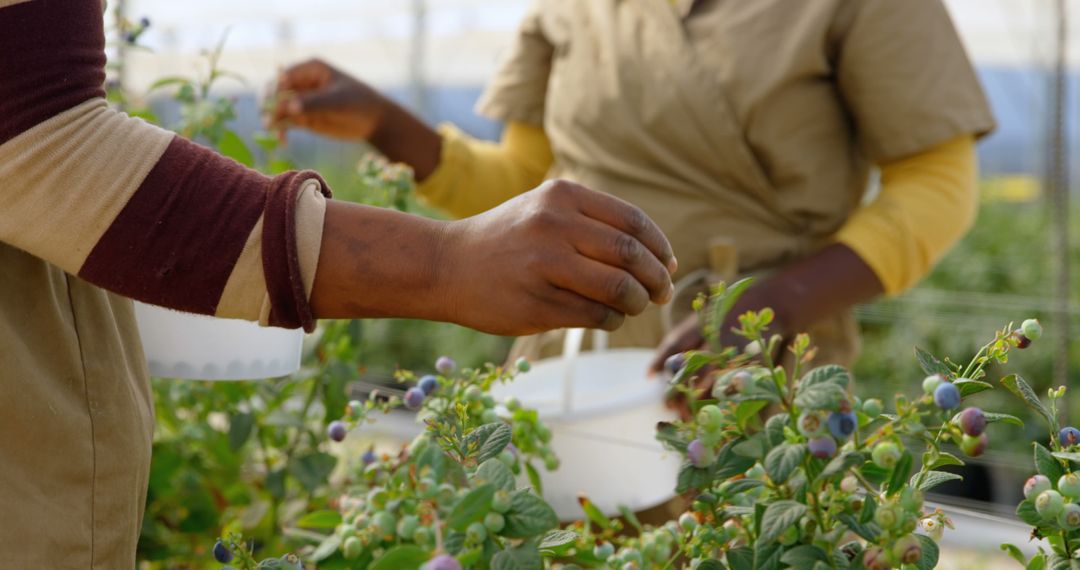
column 943, row 459
column 1022, row 390
column 804, row 556
column 829, row 374
column 820, row 397
column 488, row 440
column 557, row 538
column 1038, row 562
column 738, row 486
column 524, row 557
column 668, row 434
column 631, row 518
column 593, row 514
column 234, row 147
column 240, row 426
column 774, row 428
column 935, row 478
column 327, row 548
column 1067, row 455
column 1027, row 513
column 728, row 463
column 745, row 411
column 841, row 463
column 471, row 508
column 778, row 517
column 710, row 564
column 534, row 478
column 782, row 461
column 741, row 558
column 403, row 557
column 312, row 470
column 167, row 81
column 971, row 387
column 868, row 531
column 325, row 519
column 528, row 516
column 1014, row 552
column 694, row 361
column 929, row 558
column 930, row 364
column 900, row 473
column 1046, row 464
column 753, row 447
column 495, row 472
column 767, row 555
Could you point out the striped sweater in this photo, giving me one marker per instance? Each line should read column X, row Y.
column 132, row 208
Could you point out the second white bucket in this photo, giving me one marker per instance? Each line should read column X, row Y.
column 602, row 410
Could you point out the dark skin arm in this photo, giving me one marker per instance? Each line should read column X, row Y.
column 822, row 284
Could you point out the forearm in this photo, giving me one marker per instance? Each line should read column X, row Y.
column 403, row 137
column 376, row 262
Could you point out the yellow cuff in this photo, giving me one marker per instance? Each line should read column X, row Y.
column 927, row 203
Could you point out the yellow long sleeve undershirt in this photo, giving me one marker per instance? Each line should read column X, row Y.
column 927, row 201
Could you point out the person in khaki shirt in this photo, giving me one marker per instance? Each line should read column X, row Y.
column 97, row 208
column 748, row 130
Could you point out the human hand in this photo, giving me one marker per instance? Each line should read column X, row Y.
column 319, row 97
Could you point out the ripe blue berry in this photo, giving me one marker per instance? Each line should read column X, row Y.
column 931, row 383
column 1069, row 436
column 368, row 457
column 822, row 447
column 947, row 396
column 445, row 365
column 973, row 422
column 144, row 22
column 428, row 384
column 1035, row 485
column 1031, row 329
column 675, row 363
column 443, row 562
column 842, row 424
column 336, row 430
column 414, row 398
column 222, row 553
column 699, row 454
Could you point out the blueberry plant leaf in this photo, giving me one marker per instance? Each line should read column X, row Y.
column 312, row 470
column 971, row 387
column 488, row 440
column 629, row 516
column 1022, row 390
column 767, row 555
column 556, row 539
column 782, row 461
column 930, row 553
column 240, row 428
column 471, row 508
column 1046, row 463
column 325, row 519
column 495, row 472
column 778, row 517
column 934, row 478
column 728, row 463
column 753, row 447
column 741, row 558
column 869, row 531
column 234, row 147
column 534, row 478
column 528, row 516
column 594, row 514
column 736, row 487
column 823, row 396
column 841, row 463
column 747, row 410
column 1014, row 552
column 930, row 364
column 402, row 557
column 694, row 361
column 940, row 459
column 1067, row 456
column 804, row 556
column 326, row 548
column 774, row 428
column 1027, row 513
column 668, row 434
column 900, row 473
column 829, row 374
column 710, row 564
column 523, row 557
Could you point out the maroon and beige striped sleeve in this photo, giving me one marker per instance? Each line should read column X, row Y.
column 133, row 208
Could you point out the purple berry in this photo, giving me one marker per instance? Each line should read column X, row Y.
column 875, row 559
column 1069, row 436
column 144, row 22
column 907, row 550
column 414, row 398
column 369, row 457
column 443, row 562
column 947, row 396
column 675, row 363
column 699, row 454
column 428, row 384
column 973, row 446
column 822, row 447
column 131, row 37
column 973, row 422
column 1022, row 341
column 445, row 365
column 842, row 424
column 222, row 553
column 337, row 430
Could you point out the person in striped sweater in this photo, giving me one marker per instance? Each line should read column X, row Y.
column 97, row 208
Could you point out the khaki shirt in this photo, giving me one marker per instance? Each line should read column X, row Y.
column 755, row 123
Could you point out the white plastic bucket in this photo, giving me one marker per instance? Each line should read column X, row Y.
column 602, row 410
column 184, row 345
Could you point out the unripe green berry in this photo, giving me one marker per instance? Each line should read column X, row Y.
column 494, row 522
column 931, row 383
column 1069, row 485
column 476, row 533
column 473, row 393
column 887, row 517
column 384, row 524
column 1032, row 329
column 873, row 407
column 603, row 550
column 352, row 548
column 710, row 417
column 907, row 549
column 1035, row 485
column 1069, row 518
column 886, row 454
column 501, row 502
column 688, row 522
column 407, row 525
column 1049, row 504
